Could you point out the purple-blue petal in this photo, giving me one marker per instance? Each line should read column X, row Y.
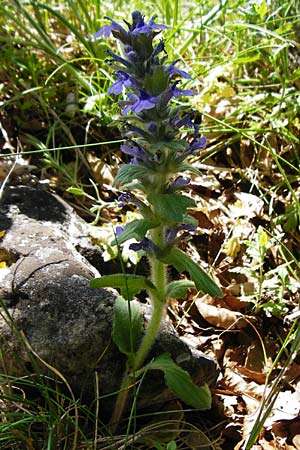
column 172, row 70
column 171, row 233
column 118, row 58
column 144, row 101
column 119, row 230
column 198, row 143
column 180, row 182
column 146, row 28
column 107, row 29
column 152, row 127
column 132, row 150
column 124, row 80
column 181, row 92
column 146, row 244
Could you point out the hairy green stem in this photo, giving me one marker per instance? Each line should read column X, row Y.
column 120, row 402
column 158, row 301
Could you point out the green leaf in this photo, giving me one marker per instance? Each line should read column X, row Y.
column 182, row 262
column 177, row 289
column 156, row 82
column 127, row 325
column 136, row 229
column 170, row 207
column 75, row 191
column 176, row 145
column 129, row 172
column 261, row 9
column 188, row 168
column 181, row 384
column 128, row 284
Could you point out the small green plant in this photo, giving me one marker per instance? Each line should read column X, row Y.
column 160, row 135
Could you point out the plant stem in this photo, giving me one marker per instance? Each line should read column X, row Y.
column 158, row 301
column 158, row 309
column 120, row 402
column 158, row 278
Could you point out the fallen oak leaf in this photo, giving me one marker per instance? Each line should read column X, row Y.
column 221, row 317
column 258, row 377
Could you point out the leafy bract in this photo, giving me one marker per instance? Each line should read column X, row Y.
column 181, row 384
column 156, row 82
column 182, row 262
column 129, row 172
column 170, row 207
column 136, row 229
column 127, row 325
column 176, row 145
column 129, row 285
column 188, row 168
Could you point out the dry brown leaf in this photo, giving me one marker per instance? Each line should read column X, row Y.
column 287, row 428
column 235, row 303
column 258, row 377
column 292, row 373
column 101, row 171
column 255, row 360
column 296, row 441
column 239, row 386
column 221, row 317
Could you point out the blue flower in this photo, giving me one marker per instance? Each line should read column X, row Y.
column 146, row 245
column 181, row 92
column 197, row 144
column 127, row 197
column 158, row 49
column 153, row 129
column 137, row 27
column 186, row 121
column 132, row 130
column 172, row 70
column 116, row 58
column 180, row 182
column 119, row 230
column 171, row 233
column 124, row 80
column 107, row 29
column 134, row 150
column 140, row 103
column 139, row 156
column 174, row 91
column 146, row 28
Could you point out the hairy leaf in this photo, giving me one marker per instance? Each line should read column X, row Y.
column 170, row 207
column 128, row 284
column 181, row 384
column 182, row 262
column 177, row 289
column 188, row 168
column 127, row 325
column 129, row 172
